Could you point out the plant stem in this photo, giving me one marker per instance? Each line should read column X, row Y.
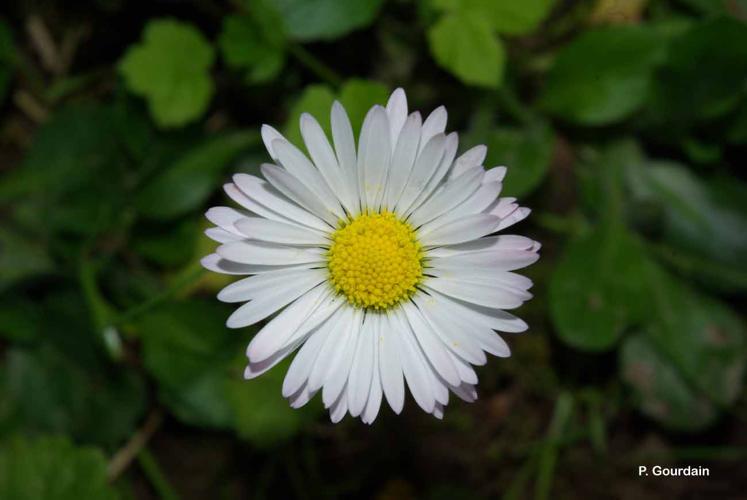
column 155, row 475
column 315, row 65
column 124, row 456
column 549, row 453
column 189, row 276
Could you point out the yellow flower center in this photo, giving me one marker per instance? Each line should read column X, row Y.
column 375, row 260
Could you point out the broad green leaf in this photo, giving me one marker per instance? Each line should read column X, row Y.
column 359, row 96
column 463, row 44
column 48, row 391
column 263, row 416
column 52, row 468
column 7, row 58
column 660, row 391
column 604, row 75
column 189, row 351
column 77, row 161
column 308, row 20
column 170, row 68
column 505, row 16
column 701, row 337
column 598, row 288
column 21, row 258
column 186, row 184
column 252, row 45
column 703, row 76
column 526, row 153
column 693, row 222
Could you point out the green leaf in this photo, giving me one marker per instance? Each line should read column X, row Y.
column 49, row 391
column 701, row 337
column 463, row 44
column 604, row 75
column 526, row 153
column 694, row 222
column 660, row 391
column 504, row 16
column 598, row 289
column 356, row 95
column 703, row 76
column 52, row 468
column 189, row 351
column 186, row 184
column 77, row 161
column 253, row 45
column 21, row 258
column 308, row 20
column 170, row 68
column 263, row 416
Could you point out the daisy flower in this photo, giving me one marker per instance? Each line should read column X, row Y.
column 380, row 263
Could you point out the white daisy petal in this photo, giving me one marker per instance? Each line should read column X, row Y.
column 294, row 189
column 254, row 370
column 342, row 136
column 518, row 215
column 289, row 325
column 254, row 287
column 469, row 159
column 272, row 301
column 269, row 135
column 332, row 348
column 261, row 198
column 476, row 293
column 495, row 174
column 426, row 162
column 450, row 149
column 507, row 260
column 225, row 218
column 220, row 235
column 475, row 204
column 466, row 392
column 396, row 110
column 256, row 228
column 461, row 230
column 438, row 411
column 390, row 366
column 450, row 333
column 340, row 370
column 325, row 160
column 405, row 152
column 373, row 404
column 339, row 409
column 466, row 372
column 433, row 125
column 265, row 253
column 414, row 366
column 302, row 169
column 433, row 347
column 452, row 194
column 218, row 264
column 298, row 372
column 374, row 152
column 359, row 381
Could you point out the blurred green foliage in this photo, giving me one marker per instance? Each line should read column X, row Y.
column 623, row 124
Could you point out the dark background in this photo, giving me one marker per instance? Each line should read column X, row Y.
column 624, row 126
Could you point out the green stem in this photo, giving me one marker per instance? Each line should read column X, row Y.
column 511, row 104
column 315, row 65
column 549, row 453
column 189, row 276
column 155, row 475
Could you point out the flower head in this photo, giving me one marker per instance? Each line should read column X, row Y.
column 380, row 264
